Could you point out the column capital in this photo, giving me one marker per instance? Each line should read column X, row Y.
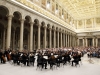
column 9, row 17
column 22, row 20
column 44, row 27
column 39, row 26
column 31, row 23
column 50, row 29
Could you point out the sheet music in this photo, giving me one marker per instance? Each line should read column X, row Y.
column 46, row 57
column 56, row 56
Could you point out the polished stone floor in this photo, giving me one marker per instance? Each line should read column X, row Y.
column 87, row 68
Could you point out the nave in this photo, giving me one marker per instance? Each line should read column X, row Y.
column 86, row 68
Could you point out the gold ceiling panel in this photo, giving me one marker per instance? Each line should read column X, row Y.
column 81, row 9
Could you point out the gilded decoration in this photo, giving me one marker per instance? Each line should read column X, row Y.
column 97, row 20
column 88, row 21
column 80, row 23
column 29, row 4
column 44, row 2
column 53, row 7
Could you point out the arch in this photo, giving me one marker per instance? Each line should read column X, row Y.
column 4, row 9
column 1, row 26
column 43, row 23
column 53, row 27
column 17, row 15
column 36, row 21
column 57, row 28
column 28, row 18
column 48, row 25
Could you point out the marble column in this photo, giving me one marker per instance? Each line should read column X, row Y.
column 61, row 39
column 66, row 40
column 31, row 36
column 92, row 41
column 96, row 42
column 28, row 41
column 78, row 41
column 50, row 37
column 83, row 42
column 54, row 40
column 39, row 36
column 9, row 32
column 34, row 41
column 4, row 39
column 45, row 37
column 70, row 40
column 58, row 39
column 13, row 39
column 86, row 41
column 21, row 35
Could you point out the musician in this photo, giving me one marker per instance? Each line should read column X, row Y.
column 2, row 56
column 41, row 61
column 6, row 54
column 75, row 57
column 67, row 57
column 59, row 59
column 31, row 58
column 52, row 60
column 25, row 59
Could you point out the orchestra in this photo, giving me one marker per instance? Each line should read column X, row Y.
column 47, row 57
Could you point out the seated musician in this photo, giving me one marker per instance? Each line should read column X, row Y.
column 32, row 59
column 2, row 57
column 52, row 60
column 25, row 59
column 67, row 57
column 76, row 60
column 59, row 59
column 41, row 61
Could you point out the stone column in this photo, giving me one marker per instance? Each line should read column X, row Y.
column 45, row 37
column 28, row 41
column 21, row 35
column 50, row 38
column 78, row 41
column 34, row 42
column 96, row 42
column 93, row 41
column 61, row 39
column 9, row 32
column 31, row 36
column 86, row 41
column 13, row 39
column 70, row 40
column 66, row 40
column 58, row 39
column 54, row 40
column 39, row 36
column 83, row 42
column 4, row 39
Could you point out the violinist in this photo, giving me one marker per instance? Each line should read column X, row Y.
column 52, row 60
column 75, row 57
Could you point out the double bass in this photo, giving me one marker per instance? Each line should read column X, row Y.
column 4, row 59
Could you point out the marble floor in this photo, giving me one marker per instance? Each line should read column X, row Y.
column 87, row 68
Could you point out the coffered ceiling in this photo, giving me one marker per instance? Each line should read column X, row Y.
column 81, row 9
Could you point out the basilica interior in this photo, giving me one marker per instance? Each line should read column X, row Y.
column 32, row 25
column 35, row 24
